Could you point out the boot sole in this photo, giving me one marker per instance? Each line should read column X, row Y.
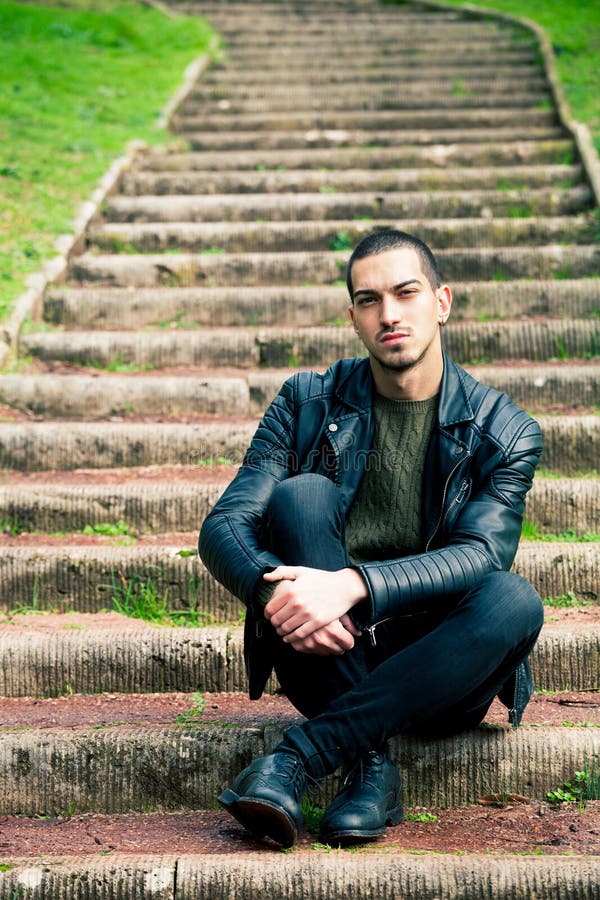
column 394, row 817
column 260, row 818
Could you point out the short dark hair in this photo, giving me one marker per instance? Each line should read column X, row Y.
column 379, row 241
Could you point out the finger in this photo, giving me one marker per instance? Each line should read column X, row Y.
column 282, row 573
column 350, row 626
column 332, row 638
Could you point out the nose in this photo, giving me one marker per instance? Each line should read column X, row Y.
column 390, row 310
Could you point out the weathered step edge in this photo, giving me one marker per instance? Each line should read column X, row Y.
column 86, row 578
column 138, row 658
column 540, row 387
column 134, row 768
column 251, row 347
column 322, row 876
column 115, row 308
column 554, row 505
column 571, row 444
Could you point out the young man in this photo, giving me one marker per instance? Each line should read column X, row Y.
column 369, row 532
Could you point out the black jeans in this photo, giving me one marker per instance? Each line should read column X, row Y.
column 436, row 672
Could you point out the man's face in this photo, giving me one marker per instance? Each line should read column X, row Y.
column 396, row 312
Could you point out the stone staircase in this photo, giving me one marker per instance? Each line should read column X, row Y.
column 216, row 270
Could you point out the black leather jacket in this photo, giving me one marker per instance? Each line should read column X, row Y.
column 479, row 467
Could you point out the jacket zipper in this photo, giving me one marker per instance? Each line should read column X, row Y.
column 460, row 495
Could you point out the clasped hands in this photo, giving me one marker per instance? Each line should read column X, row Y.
column 309, row 608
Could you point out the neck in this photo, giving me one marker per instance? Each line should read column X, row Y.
column 417, row 382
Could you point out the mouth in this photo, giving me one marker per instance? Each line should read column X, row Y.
column 393, row 337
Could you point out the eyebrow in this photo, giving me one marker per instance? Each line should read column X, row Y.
column 394, row 288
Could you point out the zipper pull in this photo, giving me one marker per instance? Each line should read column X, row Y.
column 370, row 630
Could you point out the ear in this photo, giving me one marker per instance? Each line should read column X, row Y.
column 352, row 319
column 444, row 303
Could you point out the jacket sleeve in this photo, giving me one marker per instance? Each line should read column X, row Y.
column 482, row 537
column 229, row 542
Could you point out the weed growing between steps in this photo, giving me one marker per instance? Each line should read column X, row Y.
column 569, row 600
column 96, row 76
column 141, row 598
column 584, row 786
column 531, row 532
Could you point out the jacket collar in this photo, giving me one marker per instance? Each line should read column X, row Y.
column 355, row 389
column 455, row 405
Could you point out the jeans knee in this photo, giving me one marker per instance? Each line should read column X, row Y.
column 508, row 607
column 303, row 496
column 304, row 522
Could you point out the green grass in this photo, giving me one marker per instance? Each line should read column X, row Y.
column 574, row 31
column 79, row 81
column 531, row 532
column 140, row 597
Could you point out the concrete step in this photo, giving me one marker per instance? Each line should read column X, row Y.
column 387, row 38
column 415, row 71
column 209, row 89
column 385, row 120
column 276, row 58
column 199, row 105
column 84, row 578
column 53, row 655
column 384, row 871
column 248, row 237
column 571, row 443
column 210, row 182
column 247, row 392
column 135, row 767
column 440, row 155
column 319, row 137
column 282, row 206
column 124, row 308
column 555, row 505
column 279, row 347
column 214, row 269
column 386, row 29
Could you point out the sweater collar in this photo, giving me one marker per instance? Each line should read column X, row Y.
column 356, row 386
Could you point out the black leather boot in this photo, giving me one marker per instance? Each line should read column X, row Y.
column 370, row 799
column 265, row 797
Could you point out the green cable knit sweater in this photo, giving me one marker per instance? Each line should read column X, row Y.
column 385, row 518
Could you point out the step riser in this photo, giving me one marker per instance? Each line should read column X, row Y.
column 318, row 137
column 184, row 270
column 291, row 64
column 91, row 398
column 216, row 876
column 210, row 106
column 418, row 73
column 251, row 237
column 117, row 309
column 134, row 769
column 66, row 579
column 104, row 398
column 241, row 182
column 322, row 206
column 442, row 156
column 466, row 342
column 85, row 446
column 553, row 505
column 387, row 32
column 571, row 445
column 404, row 122
column 210, row 90
column 184, row 660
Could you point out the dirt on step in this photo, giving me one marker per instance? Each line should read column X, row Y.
column 93, row 710
column 533, row 827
